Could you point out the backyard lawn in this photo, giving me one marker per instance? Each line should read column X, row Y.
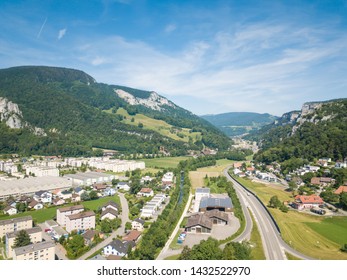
column 49, row 213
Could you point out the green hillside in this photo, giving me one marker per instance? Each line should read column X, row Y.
column 320, row 133
column 74, row 112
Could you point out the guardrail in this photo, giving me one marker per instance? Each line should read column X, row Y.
column 264, row 206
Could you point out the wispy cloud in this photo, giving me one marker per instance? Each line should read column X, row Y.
column 170, row 28
column 237, row 71
column 42, row 26
column 61, row 33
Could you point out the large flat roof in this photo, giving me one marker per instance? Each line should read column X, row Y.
column 32, row 185
column 88, row 175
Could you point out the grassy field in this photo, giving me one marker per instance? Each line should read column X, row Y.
column 197, row 177
column 159, row 126
column 164, row 162
column 291, row 257
column 49, row 213
column 315, row 236
column 173, row 258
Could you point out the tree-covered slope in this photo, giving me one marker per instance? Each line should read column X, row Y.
column 318, row 130
column 238, row 123
column 69, row 106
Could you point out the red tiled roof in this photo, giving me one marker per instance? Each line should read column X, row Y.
column 341, row 189
column 309, row 199
column 145, row 190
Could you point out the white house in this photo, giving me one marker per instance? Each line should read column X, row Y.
column 123, row 186
column 10, row 210
column 43, row 196
column 145, row 192
column 109, row 191
column 118, row 248
column 109, row 213
column 35, row 205
column 137, row 224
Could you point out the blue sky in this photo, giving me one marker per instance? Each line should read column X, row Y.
column 207, row 56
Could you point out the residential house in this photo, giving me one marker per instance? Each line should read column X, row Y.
column 78, row 190
column 10, row 210
column 58, row 201
column 38, row 251
column 109, row 191
column 123, row 186
column 133, row 235
column 118, row 248
column 146, row 179
column 43, row 196
column 307, row 202
column 322, row 181
column 35, row 205
column 168, row 179
column 148, row 211
column 99, row 187
column 341, row 164
column 62, row 213
column 137, row 224
column 238, row 165
column 89, row 236
column 80, row 221
column 14, row 224
column 65, row 194
column 109, row 213
column 341, row 189
column 111, row 204
column 75, row 197
column 35, row 234
column 145, row 192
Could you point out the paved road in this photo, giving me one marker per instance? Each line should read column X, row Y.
column 119, row 231
column 164, row 252
column 274, row 245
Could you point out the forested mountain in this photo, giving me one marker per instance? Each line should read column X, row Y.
column 238, row 123
column 318, row 130
column 51, row 110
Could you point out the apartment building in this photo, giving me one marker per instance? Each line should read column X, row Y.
column 38, row 251
column 80, row 221
column 62, row 213
column 16, row 224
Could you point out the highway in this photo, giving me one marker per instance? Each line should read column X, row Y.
column 274, row 245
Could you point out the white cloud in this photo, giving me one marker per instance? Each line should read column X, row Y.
column 61, row 33
column 170, row 28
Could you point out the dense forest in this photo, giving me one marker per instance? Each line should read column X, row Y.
column 68, row 104
column 322, row 134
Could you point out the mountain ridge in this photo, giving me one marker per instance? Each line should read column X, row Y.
column 69, row 106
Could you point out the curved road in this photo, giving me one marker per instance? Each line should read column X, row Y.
column 119, row 231
column 274, row 245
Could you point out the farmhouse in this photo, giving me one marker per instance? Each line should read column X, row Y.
column 199, row 223
column 307, row 202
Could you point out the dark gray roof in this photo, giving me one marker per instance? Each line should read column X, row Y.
column 111, row 203
column 16, row 220
column 139, row 220
column 215, row 202
column 33, row 247
column 121, row 246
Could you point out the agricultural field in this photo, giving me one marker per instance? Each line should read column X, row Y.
column 197, row 177
column 315, row 236
column 159, row 126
